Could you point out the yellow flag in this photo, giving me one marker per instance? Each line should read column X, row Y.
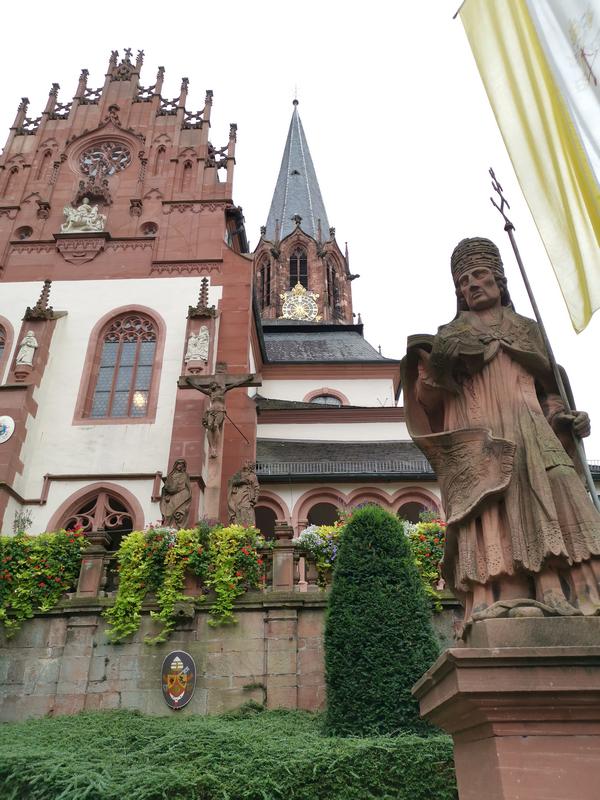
column 540, row 64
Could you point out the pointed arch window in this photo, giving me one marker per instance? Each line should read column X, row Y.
column 11, row 181
column 159, row 161
column 127, row 349
column 264, row 283
column 186, row 177
column 43, row 172
column 100, row 512
column 298, row 268
column 331, row 285
column 2, row 341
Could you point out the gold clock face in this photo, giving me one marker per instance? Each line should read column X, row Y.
column 299, row 304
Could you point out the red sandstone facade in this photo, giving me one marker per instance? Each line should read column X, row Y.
column 171, row 259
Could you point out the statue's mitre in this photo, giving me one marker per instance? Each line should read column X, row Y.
column 475, row 252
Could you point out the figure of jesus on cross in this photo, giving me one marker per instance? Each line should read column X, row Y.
column 215, row 387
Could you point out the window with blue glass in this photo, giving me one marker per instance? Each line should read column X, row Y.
column 124, row 380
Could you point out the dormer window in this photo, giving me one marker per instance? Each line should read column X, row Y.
column 326, row 400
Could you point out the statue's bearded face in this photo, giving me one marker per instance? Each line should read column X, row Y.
column 479, row 288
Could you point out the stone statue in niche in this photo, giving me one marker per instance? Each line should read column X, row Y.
column 197, row 347
column 83, row 219
column 242, row 496
column 176, row 496
column 27, row 349
column 523, row 538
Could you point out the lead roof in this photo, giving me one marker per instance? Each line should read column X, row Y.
column 297, row 189
column 319, row 345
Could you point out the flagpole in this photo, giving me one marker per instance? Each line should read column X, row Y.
column 509, row 228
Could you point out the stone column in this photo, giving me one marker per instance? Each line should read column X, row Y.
column 283, row 558
column 522, row 702
column 91, row 574
column 212, row 492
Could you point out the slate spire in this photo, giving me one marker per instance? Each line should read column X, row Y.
column 297, row 190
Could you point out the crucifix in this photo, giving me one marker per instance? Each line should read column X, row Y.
column 215, row 387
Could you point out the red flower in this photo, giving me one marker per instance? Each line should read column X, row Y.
column 238, row 574
column 436, row 540
column 42, row 584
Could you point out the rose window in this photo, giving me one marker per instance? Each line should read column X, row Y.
column 104, row 159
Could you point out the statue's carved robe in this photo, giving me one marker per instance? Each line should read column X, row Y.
column 513, row 498
column 176, row 498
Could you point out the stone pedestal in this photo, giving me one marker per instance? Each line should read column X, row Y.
column 523, row 709
column 22, row 371
column 283, row 558
column 91, row 573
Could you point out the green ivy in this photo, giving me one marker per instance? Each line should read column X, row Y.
column 184, row 552
column 35, row 572
column 157, row 560
column 138, row 574
column 235, row 567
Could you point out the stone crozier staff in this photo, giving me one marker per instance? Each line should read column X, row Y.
column 483, row 405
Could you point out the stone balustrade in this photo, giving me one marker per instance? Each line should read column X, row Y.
column 286, row 568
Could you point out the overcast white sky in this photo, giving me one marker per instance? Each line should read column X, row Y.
column 398, row 123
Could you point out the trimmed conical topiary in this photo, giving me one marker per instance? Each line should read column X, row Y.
column 379, row 639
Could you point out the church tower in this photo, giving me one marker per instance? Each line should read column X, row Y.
column 300, row 272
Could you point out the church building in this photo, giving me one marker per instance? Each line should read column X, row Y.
column 137, row 330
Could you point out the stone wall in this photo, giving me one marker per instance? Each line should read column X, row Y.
column 61, row 662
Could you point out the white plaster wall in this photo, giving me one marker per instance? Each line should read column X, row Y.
column 336, row 432
column 9, row 516
column 53, row 444
column 359, row 391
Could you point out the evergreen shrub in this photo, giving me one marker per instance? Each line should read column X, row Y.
column 379, row 639
column 271, row 755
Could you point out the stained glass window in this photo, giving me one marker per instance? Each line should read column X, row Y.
column 124, row 378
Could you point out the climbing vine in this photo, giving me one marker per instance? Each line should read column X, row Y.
column 35, row 572
column 226, row 560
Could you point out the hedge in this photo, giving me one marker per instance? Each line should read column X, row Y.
column 379, row 639
column 273, row 755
